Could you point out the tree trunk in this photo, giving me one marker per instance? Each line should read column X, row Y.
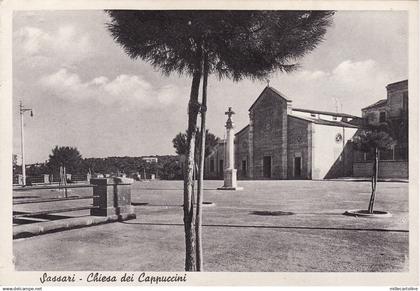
column 189, row 174
column 198, row 224
column 374, row 180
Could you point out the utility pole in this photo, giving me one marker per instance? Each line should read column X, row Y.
column 22, row 110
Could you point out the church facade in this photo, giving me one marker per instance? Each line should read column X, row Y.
column 282, row 142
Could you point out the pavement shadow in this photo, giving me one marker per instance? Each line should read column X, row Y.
column 205, row 203
column 271, row 213
column 172, row 189
column 25, row 197
column 36, row 218
column 154, row 205
column 273, row 227
column 20, row 221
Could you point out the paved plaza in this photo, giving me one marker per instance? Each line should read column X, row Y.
column 274, row 226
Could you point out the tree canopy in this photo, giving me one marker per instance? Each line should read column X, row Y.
column 374, row 137
column 240, row 44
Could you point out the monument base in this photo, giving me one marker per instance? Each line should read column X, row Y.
column 112, row 198
column 230, row 182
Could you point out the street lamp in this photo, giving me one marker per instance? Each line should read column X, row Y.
column 22, row 110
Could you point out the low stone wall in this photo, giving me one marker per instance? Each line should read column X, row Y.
column 41, row 179
column 111, row 202
column 387, row 169
column 80, row 177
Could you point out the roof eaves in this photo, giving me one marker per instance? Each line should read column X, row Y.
column 325, row 122
column 397, row 83
column 324, row 112
column 301, row 118
column 334, row 123
column 377, row 103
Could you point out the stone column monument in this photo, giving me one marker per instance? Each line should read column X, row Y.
column 230, row 182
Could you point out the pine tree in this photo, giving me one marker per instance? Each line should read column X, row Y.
column 232, row 44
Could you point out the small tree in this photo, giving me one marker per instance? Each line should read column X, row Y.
column 68, row 157
column 372, row 140
column 181, row 146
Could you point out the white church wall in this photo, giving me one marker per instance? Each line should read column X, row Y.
column 327, row 148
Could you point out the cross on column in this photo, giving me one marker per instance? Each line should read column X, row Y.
column 229, row 172
column 230, row 112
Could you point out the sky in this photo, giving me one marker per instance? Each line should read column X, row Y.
column 87, row 93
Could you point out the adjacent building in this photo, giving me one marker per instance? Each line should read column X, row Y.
column 392, row 111
column 150, row 159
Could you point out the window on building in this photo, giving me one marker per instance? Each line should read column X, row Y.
column 401, row 153
column 386, row 155
column 313, row 115
column 382, row 116
column 369, row 156
column 405, row 101
column 212, row 165
column 359, row 156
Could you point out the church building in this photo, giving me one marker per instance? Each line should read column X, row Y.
column 282, row 142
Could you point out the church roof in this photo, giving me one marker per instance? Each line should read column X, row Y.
column 243, row 129
column 277, row 93
column 338, row 123
column 325, row 112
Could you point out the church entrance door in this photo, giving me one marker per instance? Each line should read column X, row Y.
column 267, row 167
column 298, row 169
column 244, row 174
